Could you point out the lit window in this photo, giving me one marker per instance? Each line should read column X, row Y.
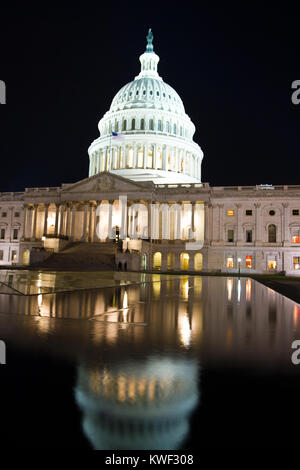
column 230, row 262
column 296, row 262
column 140, row 159
column 230, row 213
column 295, row 212
column 296, row 239
column 248, row 262
column 272, row 264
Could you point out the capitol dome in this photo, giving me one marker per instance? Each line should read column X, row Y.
column 146, row 134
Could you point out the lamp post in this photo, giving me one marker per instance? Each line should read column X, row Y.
column 239, row 261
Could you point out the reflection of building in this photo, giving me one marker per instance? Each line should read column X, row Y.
column 138, row 405
column 157, row 165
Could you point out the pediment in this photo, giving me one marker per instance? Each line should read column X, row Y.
column 103, row 183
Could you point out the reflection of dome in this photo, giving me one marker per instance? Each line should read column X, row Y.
column 138, row 406
column 156, row 133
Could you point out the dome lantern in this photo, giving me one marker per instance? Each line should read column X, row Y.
column 149, row 60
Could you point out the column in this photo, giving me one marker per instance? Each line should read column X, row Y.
column 83, row 237
column 286, row 236
column 178, row 222
column 56, row 219
column 149, row 220
column 239, row 224
column 110, row 214
column 258, row 240
column 74, row 208
column 221, row 222
column 207, row 209
column 135, row 152
column 61, row 221
column 97, row 209
column 45, row 231
column 26, row 221
column 145, row 155
column 67, row 231
column 154, row 155
column 90, row 222
column 164, row 158
column 34, row 221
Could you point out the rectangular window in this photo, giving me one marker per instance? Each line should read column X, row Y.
column 296, row 239
column 272, row 264
column 248, row 262
column 295, row 212
column 230, row 262
column 4, row 214
column 230, row 236
column 248, row 212
column 15, row 234
column 1, row 255
column 230, row 213
column 17, row 214
column 296, row 262
column 248, row 236
column 2, row 235
column 14, row 255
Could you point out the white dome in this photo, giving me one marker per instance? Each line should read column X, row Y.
column 146, row 134
column 150, row 93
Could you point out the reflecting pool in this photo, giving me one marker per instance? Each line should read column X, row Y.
column 140, row 361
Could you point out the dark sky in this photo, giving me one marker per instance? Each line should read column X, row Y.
column 232, row 67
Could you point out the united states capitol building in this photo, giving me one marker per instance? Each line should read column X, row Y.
column 144, row 191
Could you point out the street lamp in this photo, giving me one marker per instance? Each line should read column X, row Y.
column 239, row 261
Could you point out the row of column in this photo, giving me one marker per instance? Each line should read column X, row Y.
column 217, row 232
column 136, row 156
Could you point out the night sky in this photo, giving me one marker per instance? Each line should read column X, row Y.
column 232, row 67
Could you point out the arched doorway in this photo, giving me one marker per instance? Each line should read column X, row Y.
column 157, row 261
column 184, row 261
column 171, row 262
column 26, row 257
column 198, row 262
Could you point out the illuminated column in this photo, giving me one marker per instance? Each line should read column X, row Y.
column 61, row 221
column 178, row 221
column 68, row 216
column 164, row 157
column 34, row 221
column 239, row 223
column 207, row 222
column 285, row 225
column 46, row 219
column 83, row 238
column 90, row 228
column 74, row 208
column 27, row 220
column 97, row 210
column 221, row 222
column 193, row 216
column 258, row 223
column 154, row 156
column 110, row 214
column 149, row 220
column 145, row 155
column 56, row 219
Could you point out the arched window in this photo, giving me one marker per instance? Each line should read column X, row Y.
column 142, row 124
column 157, row 261
column 181, row 131
column 109, row 127
column 174, row 129
column 184, row 261
column 116, row 126
column 272, row 233
column 167, row 126
column 133, row 124
column 151, row 125
column 159, row 127
column 124, row 125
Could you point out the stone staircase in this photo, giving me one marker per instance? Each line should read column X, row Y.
column 83, row 256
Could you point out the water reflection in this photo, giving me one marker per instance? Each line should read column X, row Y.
column 138, row 347
column 138, row 405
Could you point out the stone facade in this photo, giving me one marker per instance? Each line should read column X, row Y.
column 144, row 187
